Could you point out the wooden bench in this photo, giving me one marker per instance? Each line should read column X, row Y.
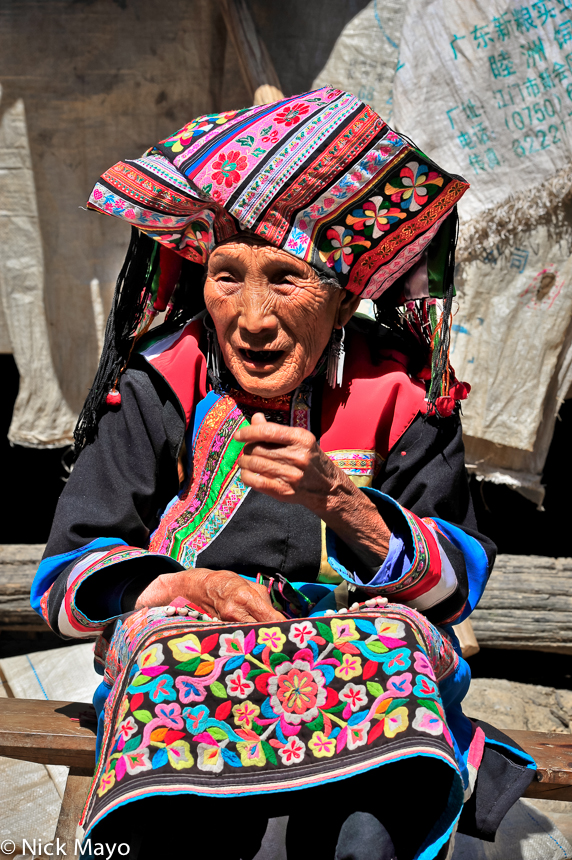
column 64, row 733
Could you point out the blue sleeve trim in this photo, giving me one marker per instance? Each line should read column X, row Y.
column 476, row 562
column 50, row 568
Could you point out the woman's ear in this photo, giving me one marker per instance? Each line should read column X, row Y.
column 348, row 307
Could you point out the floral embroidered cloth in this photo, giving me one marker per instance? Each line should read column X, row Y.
column 320, row 175
column 216, row 709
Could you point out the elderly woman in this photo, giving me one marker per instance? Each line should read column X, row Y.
column 246, row 502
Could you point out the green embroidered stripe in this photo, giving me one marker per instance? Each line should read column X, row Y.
column 225, row 471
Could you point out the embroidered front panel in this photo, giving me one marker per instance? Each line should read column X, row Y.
column 215, row 490
column 267, row 707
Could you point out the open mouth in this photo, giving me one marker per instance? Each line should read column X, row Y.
column 261, row 357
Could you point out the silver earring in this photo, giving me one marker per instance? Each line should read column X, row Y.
column 214, row 355
column 336, row 357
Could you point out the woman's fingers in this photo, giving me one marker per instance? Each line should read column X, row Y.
column 271, row 468
column 236, row 599
column 269, row 432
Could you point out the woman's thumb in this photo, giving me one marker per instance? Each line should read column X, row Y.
column 258, row 418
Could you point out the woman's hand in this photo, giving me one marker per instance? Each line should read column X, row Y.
column 287, row 464
column 220, row 593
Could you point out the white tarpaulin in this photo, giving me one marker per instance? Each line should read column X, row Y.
column 498, row 78
column 485, row 88
column 364, row 57
column 41, row 416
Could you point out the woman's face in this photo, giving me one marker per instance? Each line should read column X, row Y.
column 272, row 314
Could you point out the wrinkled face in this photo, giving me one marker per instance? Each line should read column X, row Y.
column 272, row 314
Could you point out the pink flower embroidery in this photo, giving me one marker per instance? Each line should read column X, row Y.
column 350, row 667
column 293, row 751
column 226, row 168
column 422, row 665
column 322, row 746
column 292, row 114
column 427, row 721
column 297, row 691
column 237, row 685
column 355, row 695
column 301, row 632
column 357, row 735
column 400, row 685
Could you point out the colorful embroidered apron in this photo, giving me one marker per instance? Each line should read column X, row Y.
column 222, row 709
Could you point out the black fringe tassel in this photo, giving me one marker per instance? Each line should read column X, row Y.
column 131, row 295
column 440, row 361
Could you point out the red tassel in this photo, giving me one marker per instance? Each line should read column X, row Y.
column 460, row 390
column 170, row 263
column 445, row 406
column 113, row 398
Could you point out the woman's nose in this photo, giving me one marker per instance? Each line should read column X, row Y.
column 256, row 309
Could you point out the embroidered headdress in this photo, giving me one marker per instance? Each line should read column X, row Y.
column 321, row 176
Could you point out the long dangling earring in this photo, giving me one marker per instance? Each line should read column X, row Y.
column 214, row 355
column 336, row 358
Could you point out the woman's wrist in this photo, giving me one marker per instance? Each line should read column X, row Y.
column 356, row 521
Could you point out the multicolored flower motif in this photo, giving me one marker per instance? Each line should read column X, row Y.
column 375, row 217
column 273, row 637
column 181, row 139
column 301, row 632
column 428, row 721
column 237, row 685
column 340, row 248
column 226, row 169
column 251, row 753
column 355, row 695
column 297, row 691
column 415, row 184
column 350, row 667
column 320, row 695
column 293, row 752
column 292, row 114
column 245, row 713
column 210, row 758
column 396, row 721
column 322, row 746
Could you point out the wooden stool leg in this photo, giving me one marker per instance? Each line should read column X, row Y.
column 75, row 795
